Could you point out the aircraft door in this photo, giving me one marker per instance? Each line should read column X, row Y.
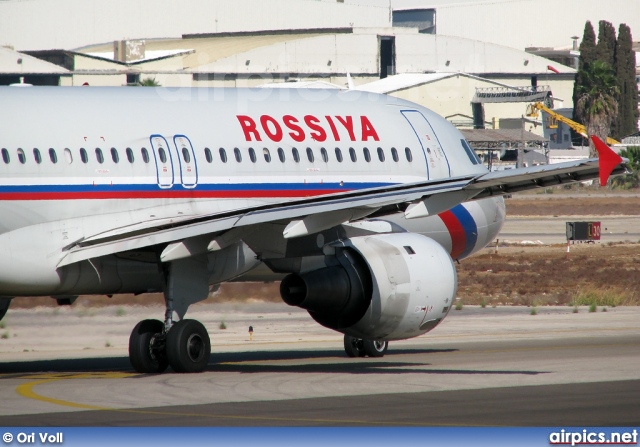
column 437, row 163
column 164, row 161
column 187, row 161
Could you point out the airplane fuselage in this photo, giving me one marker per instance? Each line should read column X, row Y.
column 76, row 163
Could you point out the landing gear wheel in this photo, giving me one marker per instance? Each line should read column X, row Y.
column 353, row 346
column 375, row 348
column 146, row 350
column 188, row 346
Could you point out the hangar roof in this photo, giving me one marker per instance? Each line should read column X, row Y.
column 14, row 62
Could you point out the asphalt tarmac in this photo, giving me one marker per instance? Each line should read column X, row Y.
column 480, row 367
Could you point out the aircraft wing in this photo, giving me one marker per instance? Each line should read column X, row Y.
column 313, row 214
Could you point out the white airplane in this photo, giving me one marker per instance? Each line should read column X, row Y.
column 361, row 202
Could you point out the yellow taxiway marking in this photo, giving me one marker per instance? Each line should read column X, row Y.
column 26, row 389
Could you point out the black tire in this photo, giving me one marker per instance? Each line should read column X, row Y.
column 4, row 306
column 144, row 353
column 375, row 348
column 188, row 347
column 353, row 346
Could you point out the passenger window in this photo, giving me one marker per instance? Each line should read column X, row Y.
column 296, row 155
column 186, row 156
column 114, row 155
column 162, row 154
column 310, row 155
column 267, row 155
column 352, row 154
column 380, row 154
column 5, row 155
column 325, row 156
column 53, row 156
column 394, row 155
column 207, row 155
column 145, row 154
column 367, row 155
column 408, row 154
column 338, row 155
column 281, row 154
column 237, row 154
column 130, row 155
column 223, row 155
column 252, row 155
column 21, row 156
column 37, row 156
column 83, row 155
column 99, row 155
column 67, row 155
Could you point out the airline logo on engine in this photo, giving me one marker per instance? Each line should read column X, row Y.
column 340, row 128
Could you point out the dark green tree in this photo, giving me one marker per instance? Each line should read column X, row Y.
column 597, row 105
column 587, row 56
column 625, row 67
column 631, row 180
column 606, row 47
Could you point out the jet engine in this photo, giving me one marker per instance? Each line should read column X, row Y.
column 380, row 287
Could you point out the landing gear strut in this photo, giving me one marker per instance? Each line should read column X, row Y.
column 359, row 347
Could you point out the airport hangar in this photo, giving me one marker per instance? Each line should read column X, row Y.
column 327, row 41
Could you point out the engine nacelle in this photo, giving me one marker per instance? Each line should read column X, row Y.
column 382, row 287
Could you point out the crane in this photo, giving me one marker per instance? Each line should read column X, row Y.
column 554, row 117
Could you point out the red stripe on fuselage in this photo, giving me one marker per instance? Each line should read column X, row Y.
column 167, row 194
column 458, row 236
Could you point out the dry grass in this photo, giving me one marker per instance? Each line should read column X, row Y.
column 607, row 275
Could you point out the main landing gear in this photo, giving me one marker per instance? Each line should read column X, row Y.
column 185, row 345
column 360, row 347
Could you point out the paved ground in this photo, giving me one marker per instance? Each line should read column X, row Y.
column 493, row 366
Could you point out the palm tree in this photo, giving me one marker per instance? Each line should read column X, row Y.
column 597, row 104
column 149, row 82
